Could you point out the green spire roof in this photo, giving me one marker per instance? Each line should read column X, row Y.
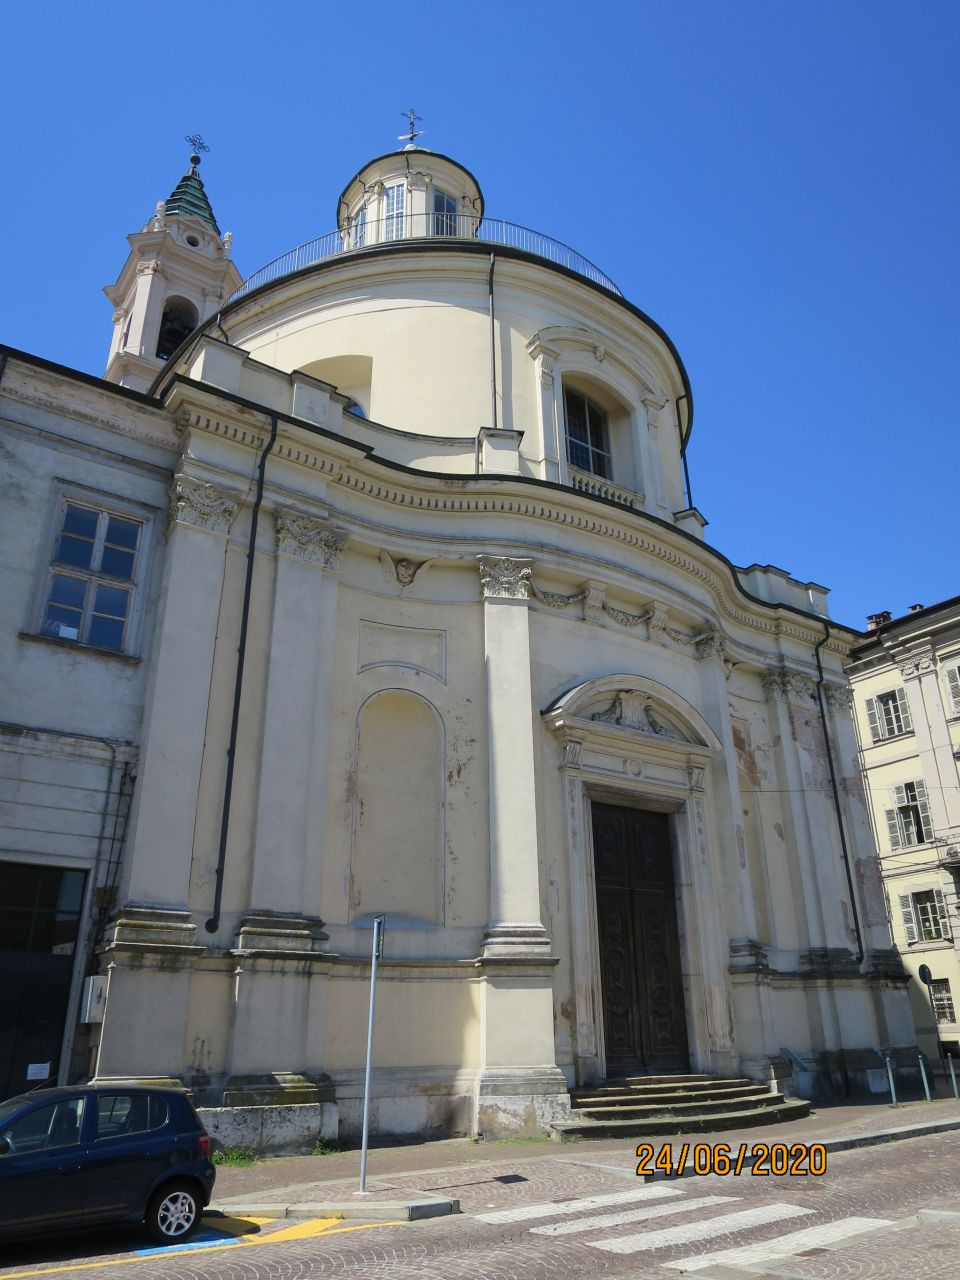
column 188, row 198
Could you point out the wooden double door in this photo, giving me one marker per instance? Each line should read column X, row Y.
column 644, row 1021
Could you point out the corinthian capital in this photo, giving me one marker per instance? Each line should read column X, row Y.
column 503, row 577
column 839, row 696
column 308, row 538
column 201, row 504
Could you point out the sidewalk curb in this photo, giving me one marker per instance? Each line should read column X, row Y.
column 368, row 1210
column 875, row 1139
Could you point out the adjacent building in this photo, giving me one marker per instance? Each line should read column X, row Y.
column 370, row 585
column 906, row 683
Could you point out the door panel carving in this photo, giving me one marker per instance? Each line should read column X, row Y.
column 643, row 1014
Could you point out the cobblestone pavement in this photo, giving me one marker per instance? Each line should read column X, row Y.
column 582, row 1212
column 407, row 1160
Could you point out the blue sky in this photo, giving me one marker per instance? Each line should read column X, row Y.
column 776, row 183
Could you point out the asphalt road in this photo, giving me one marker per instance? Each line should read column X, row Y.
column 583, row 1214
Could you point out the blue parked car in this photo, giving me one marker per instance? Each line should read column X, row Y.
column 90, row 1156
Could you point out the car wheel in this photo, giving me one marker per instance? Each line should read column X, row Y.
column 174, row 1213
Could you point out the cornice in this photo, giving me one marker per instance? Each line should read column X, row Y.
column 65, row 398
column 390, row 483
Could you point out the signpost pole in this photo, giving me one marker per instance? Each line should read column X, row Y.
column 893, row 1088
column 376, row 953
column 926, row 977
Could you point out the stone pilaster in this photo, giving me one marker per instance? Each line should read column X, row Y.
column 160, row 846
column 519, row 1089
column 286, row 873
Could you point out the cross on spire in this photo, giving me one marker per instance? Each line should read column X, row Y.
column 412, row 131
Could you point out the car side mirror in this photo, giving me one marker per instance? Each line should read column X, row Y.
column 4, row 1146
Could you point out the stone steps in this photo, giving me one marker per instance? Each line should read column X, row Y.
column 707, row 1122
column 608, row 1094
column 638, row 1106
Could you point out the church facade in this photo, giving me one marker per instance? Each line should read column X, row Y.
column 369, row 586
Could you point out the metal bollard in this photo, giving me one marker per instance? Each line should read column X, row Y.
column 922, row 1060
column 953, row 1077
column 893, row 1088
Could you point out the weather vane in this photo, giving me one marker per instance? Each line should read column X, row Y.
column 198, row 144
column 412, row 132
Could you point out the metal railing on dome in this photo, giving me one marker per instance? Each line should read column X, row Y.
column 406, row 228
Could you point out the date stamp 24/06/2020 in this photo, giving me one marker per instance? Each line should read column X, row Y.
column 758, row 1159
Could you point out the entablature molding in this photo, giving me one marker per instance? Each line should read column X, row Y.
column 352, row 467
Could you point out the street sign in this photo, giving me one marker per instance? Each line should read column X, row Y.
column 924, row 974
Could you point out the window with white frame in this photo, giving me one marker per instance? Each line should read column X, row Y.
column 909, row 822
column 359, row 228
column 888, row 715
column 93, row 576
column 952, row 675
column 444, row 214
column 393, row 199
column 588, row 440
column 924, row 916
column 942, row 998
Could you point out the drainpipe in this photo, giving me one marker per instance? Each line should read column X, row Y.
column 683, row 450
column 836, row 794
column 493, row 348
column 213, row 924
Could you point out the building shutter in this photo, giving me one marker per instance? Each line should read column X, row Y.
column 923, row 805
column 873, row 720
column 953, row 685
column 893, row 829
column 906, row 914
column 945, row 927
column 904, row 710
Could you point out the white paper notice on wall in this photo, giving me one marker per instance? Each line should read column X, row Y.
column 38, row 1070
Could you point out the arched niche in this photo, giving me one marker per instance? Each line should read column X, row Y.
column 397, row 855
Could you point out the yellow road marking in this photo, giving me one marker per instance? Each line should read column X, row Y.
column 300, row 1231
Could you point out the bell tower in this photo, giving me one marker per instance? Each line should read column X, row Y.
column 177, row 274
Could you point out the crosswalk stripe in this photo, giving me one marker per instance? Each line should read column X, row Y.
column 691, row 1232
column 783, row 1246
column 554, row 1208
column 631, row 1215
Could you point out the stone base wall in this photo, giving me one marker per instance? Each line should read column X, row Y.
column 278, row 1130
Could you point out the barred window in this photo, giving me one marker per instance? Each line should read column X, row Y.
column 942, row 1000
column 93, row 575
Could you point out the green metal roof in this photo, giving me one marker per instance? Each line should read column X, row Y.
column 188, row 198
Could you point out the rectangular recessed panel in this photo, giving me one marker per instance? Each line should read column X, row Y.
column 555, row 1208
column 385, row 645
column 691, row 1232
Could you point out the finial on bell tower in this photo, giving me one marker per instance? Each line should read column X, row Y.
column 199, row 147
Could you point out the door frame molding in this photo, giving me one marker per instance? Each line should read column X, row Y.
column 629, row 741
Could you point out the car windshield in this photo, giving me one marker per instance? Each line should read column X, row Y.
column 11, row 1107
